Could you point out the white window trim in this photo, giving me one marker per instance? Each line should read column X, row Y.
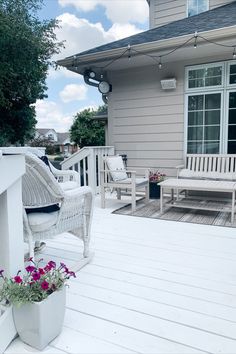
column 224, row 89
column 187, row 8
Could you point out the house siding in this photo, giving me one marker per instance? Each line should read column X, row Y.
column 166, row 11
column 146, row 122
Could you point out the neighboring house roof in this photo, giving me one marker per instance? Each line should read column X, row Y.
column 101, row 116
column 220, row 17
column 62, row 137
column 44, row 131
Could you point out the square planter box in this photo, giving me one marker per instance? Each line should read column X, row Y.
column 154, row 190
column 39, row 323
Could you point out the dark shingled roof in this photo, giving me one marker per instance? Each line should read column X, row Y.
column 224, row 16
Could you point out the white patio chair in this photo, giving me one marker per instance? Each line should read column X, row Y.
column 41, row 189
column 114, row 175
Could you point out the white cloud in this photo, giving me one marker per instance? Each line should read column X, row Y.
column 121, row 11
column 62, row 73
column 119, row 31
column 80, row 35
column 49, row 115
column 74, row 92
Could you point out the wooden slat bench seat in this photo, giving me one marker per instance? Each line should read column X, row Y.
column 198, row 185
column 205, row 166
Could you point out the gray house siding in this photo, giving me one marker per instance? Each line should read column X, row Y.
column 146, row 122
column 166, row 11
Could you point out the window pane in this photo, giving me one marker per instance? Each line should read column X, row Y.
column 213, row 101
column 232, row 100
column 213, row 81
column 214, row 71
column 192, row 7
column 196, row 74
column 195, row 118
column 232, row 147
column 212, row 133
column 212, row 117
column 195, row 133
column 194, row 148
column 202, row 6
column 211, row 147
column 232, row 116
column 195, row 103
column 232, row 69
column 232, row 79
column 232, row 132
column 196, row 83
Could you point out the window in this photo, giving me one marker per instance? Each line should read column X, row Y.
column 195, row 7
column 211, row 108
column 204, row 114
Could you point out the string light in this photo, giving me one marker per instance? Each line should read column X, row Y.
column 129, row 51
column 195, row 40
column 158, row 59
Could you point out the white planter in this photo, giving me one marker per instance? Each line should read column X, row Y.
column 40, row 322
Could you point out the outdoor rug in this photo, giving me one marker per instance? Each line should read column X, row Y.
column 152, row 210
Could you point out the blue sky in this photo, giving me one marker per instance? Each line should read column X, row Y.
column 84, row 24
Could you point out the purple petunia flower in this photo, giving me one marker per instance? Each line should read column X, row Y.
column 30, row 269
column 1, row 272
column 45, row 285
column 36, row 276
column 18, row 279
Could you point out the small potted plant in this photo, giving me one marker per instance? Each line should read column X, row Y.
column 155, row 177
column 38, row 297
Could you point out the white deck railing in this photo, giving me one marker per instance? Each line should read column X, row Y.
column 87, row 162
column 11, row 233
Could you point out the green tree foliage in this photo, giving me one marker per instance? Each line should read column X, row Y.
column 26, row 46
column 86, row 131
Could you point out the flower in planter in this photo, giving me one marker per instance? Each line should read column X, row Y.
column 36, row 284
column 156, row 177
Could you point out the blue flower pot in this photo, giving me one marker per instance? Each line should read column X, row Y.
column 154, row 190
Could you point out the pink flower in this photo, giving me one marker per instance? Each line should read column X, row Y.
column 52, row 264
column 45, row 285
column 18, row 279
column 41, row 271
column 30, row 269
column 36, row 276
column 72, row 274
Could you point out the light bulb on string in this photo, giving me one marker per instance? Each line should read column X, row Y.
column 195, row 41
column 160, row 64
column 129, row 51
column 234, row 53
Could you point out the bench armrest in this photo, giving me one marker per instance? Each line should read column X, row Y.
column 179, row 167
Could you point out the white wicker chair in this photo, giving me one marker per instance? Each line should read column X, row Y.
column 41, row 189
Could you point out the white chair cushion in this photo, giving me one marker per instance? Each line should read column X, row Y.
column 66, row 186
column 115, row 163
column 42, row 221
column 185, row 173
column 138, row 181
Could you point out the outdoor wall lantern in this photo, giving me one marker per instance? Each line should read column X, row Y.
column 168, row 84
column 92, row 79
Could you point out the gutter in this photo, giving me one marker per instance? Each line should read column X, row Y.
column 144, row 48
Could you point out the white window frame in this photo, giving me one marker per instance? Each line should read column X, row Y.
column 187, row 8
column 225, row 88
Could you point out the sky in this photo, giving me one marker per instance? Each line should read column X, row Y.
column 84, row 24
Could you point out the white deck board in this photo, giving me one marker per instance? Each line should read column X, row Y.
column 153, row 286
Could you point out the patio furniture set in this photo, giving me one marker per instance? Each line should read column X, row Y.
column 205, row 173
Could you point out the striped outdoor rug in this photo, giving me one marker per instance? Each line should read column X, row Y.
column 152, row 210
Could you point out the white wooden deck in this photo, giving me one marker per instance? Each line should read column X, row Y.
column 153, row 286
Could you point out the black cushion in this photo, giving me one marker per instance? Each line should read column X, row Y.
column 47, row 209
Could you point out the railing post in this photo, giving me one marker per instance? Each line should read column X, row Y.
column 11, row 233
column 92, row 178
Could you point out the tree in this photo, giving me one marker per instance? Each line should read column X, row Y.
column 86, row 131
column 26, row 46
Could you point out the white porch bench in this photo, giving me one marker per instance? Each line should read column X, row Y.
column 175, row 185
column 205, row 166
